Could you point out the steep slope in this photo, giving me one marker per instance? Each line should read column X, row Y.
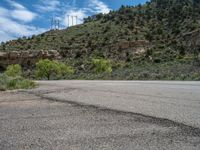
column 152, row 33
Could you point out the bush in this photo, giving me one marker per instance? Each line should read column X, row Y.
column 20, row 83
column 102, row 65
column 14, row 70
column 46, row 68
column 11, row 83
column 12, row 79
column 3, row 82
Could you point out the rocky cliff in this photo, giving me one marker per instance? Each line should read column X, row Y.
column 26, row 59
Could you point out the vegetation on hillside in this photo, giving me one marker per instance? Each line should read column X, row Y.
column 163, row 23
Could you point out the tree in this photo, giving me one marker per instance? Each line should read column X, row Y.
column 46, row 68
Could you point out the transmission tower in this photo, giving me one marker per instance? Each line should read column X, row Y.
column 72, row 20
column 55, row 24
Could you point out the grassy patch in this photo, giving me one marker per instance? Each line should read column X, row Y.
column 11, row 83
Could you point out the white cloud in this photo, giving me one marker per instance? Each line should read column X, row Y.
column 13, row 22
column 92, row 7
column 48, row 6
column 20, row 12
column 98, row 6
column 3, row 12
column 23, row 15
column 15, row 4
column 5, row 37
column 16, row 29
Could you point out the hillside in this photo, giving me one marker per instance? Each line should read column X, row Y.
column 154, row 38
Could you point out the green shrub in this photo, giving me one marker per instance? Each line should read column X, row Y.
column 45, row 69
column 11, row 83
column 14, row 70
column 20, row 83
column 3, row 82
column 102, row 65
column 65, row 69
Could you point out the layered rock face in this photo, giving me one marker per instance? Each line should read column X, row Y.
column 26, row 59
column 131, row 49
column 192, row 39
column 117, row 51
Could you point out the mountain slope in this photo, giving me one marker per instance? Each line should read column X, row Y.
column 152, row 33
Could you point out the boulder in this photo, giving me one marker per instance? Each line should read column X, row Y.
column 140, row 51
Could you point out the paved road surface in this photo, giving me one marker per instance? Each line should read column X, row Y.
column 177, row 101
column 43, row 118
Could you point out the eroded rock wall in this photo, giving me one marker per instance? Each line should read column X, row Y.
column 192, row 39
column 26, row 58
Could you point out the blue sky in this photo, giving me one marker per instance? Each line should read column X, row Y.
column 27, row 17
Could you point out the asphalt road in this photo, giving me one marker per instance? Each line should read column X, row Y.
column 177, row 101
column 90, row 115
